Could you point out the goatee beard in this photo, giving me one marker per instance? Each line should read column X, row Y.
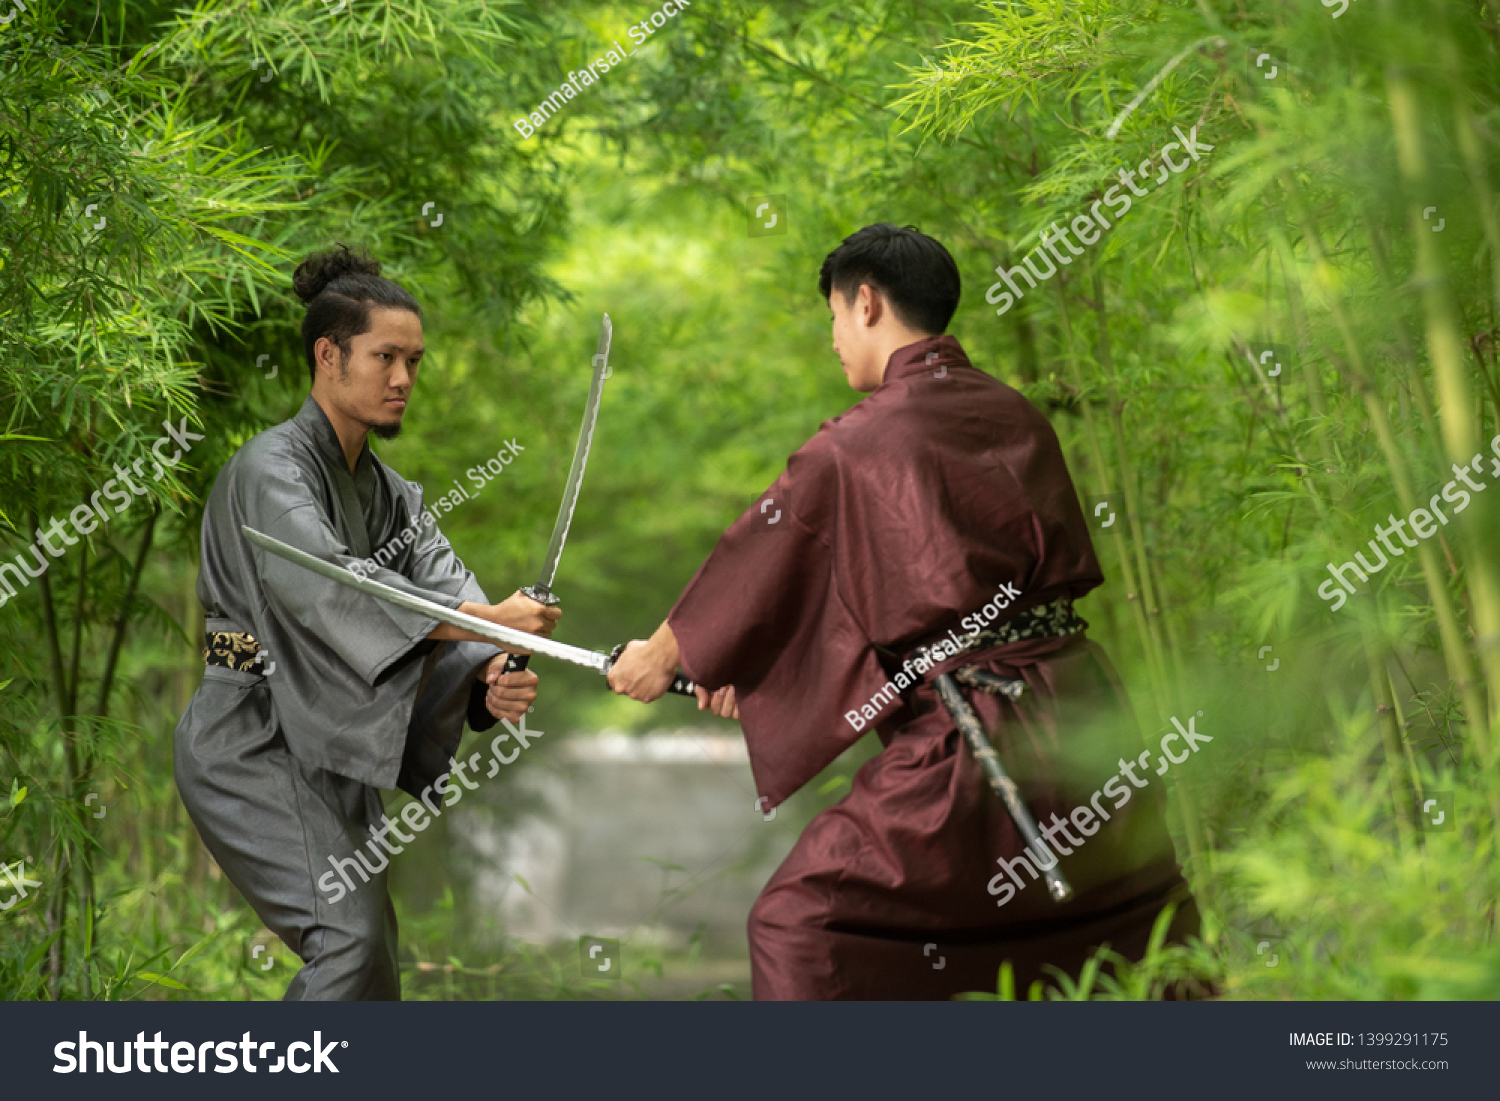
column 386, row 431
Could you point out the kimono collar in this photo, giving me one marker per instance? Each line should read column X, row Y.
column 912, row 359
column 318, row 428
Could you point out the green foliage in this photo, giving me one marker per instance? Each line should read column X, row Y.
column 1301, row 228
column 151, row 204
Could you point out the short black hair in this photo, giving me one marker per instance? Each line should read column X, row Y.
column 912, row 270
column 339, row 287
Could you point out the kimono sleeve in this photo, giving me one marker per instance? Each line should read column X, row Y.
column 434, row 567
column 764, row 614
column 448, row 696
column 368, row 635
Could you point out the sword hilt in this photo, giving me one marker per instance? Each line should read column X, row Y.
column 681, row 685
column 515, row 663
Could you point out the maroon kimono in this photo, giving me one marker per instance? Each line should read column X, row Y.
column 899, row 519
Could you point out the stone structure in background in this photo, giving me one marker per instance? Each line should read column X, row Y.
column 642, row 838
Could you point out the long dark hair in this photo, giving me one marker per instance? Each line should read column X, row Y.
column 339, row 287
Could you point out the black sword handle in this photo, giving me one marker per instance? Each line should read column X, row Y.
column 515, row 663
column 1000, row 783
column 681, row 685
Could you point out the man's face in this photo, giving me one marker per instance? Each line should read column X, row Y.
column 853, row 338
column 375, row 380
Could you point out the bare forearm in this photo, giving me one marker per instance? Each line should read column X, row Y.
column 664, row 648
column 446, row 632
column 517, row 612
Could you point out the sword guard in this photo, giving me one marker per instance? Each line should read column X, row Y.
column 515, row 663
column 541, row 595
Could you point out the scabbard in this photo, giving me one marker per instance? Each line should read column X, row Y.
column 1000, row 782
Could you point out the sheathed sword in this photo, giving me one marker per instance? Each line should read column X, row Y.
column 542, row 592
column 972, row 729
column 493, row 632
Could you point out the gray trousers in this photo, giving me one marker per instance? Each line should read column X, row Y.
column 272, row 823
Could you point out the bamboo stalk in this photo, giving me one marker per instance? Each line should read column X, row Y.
column 57, row 900
column 79, row 603
column 1408, row 357
column 1127, row 469
column 1473, row 155
column 79, row 752
column 1117, row 535
column 1445, row 350
column 1317, row 400
column 122, row 621
column 1411, row 758
column 1390, row 739
column 49, row 629
column 1454, row 651
column 1026, row 357
column 1199, row 857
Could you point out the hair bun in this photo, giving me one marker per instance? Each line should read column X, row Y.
column 322, row 268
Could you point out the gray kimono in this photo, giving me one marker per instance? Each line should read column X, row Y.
column 278, row 762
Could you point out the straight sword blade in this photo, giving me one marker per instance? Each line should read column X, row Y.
column 501, row 636
column 600, row 364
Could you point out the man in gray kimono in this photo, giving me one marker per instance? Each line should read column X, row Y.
column 316, row 696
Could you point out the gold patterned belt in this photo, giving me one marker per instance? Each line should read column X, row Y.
column 237, row 650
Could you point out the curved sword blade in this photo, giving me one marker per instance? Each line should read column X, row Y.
column 501, row 636
column 580, row 459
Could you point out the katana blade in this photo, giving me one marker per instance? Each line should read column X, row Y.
column 493, row 632
column 600, row 364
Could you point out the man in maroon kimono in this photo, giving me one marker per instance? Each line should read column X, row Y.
column 918, row 516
